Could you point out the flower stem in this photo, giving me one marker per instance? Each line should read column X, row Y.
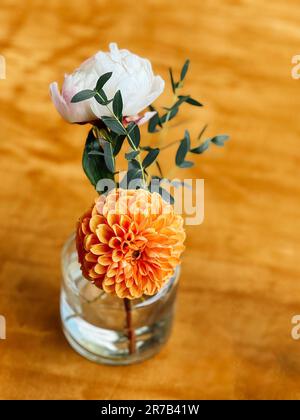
column 129, row 327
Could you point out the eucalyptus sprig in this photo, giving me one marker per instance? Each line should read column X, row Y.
column 117, row 132
column 157, row 121
column 105, row 140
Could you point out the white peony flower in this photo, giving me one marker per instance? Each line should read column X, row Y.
column 131, row 74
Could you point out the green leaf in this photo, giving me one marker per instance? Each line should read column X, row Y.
column 118, row 143
column 102, row 80
column 94, row 164
column 146, row 148
column 118, row 105
column 109, row 156
column 193, row 102
column 183, row 149
column 202, row 148
column 186, row 164
column 172, row 81
column 132, row 155
column 220, row 140
column 153, row 123
column 184, row 70
column 217, row 140
column 134, row 164
column 101, row 98
column 150, row 158
column 96, row 153
column 202, row 132
column 114, row 125
column 181, row 99
column 134, row 135
column 169, row 115
column 83, row 95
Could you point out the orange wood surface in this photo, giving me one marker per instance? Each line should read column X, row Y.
column 240, row 283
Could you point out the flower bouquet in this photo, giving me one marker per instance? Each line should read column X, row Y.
column 121, row 268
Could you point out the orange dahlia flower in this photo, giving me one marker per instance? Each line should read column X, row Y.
column 130, row 242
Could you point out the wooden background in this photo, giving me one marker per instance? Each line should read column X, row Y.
column 240, row 285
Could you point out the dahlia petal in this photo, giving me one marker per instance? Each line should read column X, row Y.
column 104, row 233
column 108, row 281
column 125, row 222
column 117, row 255
column 115, row 242
column 89, row 241
column 99, row 249
column 113, row 219
column 91, row 257
column 100, row 269
column 85, row 227
column 129, row 282
column 108, row 288
column 95, row 221
column 93, row 274
column 104, row 260
column 119, row 231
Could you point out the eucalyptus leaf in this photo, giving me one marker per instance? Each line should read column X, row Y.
column 93, row 161
column 83, row 95
column 172, row 81
column 103, row 80
column 186, row 164
column 132, row 155
column 183, row 149
column 150, row 158
column 202, row 132
column 193, row 102
column 169, row 115
column 118, row 143
column 96, row 153
column 109, row 156
column 219, row 140
column 181, row 100
column 118, row 105
column 184, row 70
column 202, row 148
column 101, row 98
column 114, row 125
column 134, row 164
column 153, row 123
column 134, row 135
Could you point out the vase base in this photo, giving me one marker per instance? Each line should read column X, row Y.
column 106, row 360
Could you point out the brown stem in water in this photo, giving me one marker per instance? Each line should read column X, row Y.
column 129, row 327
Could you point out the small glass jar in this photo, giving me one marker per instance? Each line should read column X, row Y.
column 107, row 329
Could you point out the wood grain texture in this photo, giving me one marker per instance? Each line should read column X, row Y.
column 241, row 278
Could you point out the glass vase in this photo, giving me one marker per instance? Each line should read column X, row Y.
column 107, row 329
